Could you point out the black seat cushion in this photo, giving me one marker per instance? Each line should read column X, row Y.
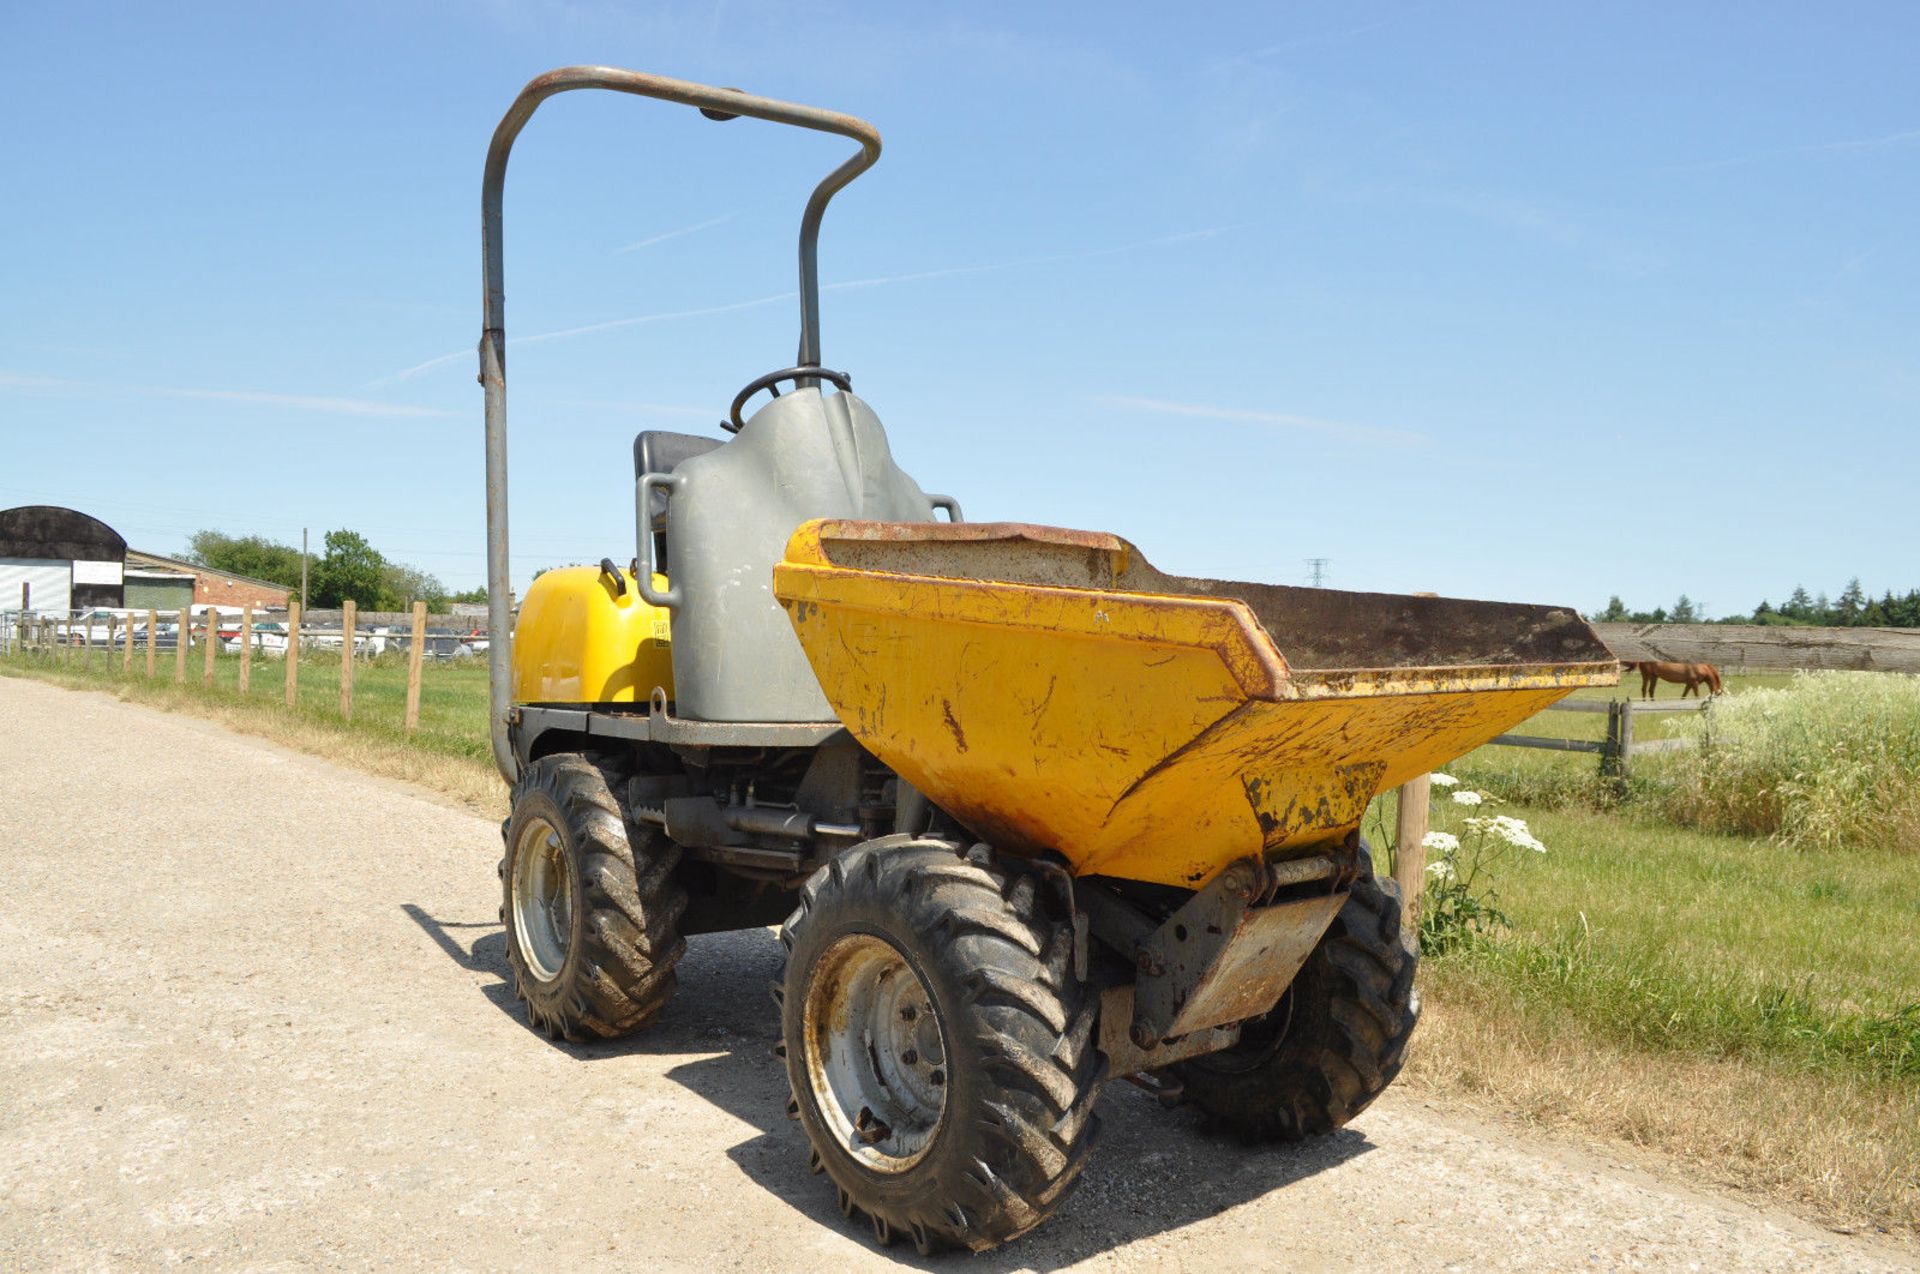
column 658, row 451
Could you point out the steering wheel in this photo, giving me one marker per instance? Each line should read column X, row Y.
column 734, row 422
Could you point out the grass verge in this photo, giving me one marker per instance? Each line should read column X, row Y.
column 1745, row 1007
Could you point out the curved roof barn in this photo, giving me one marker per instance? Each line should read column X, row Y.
column 47, row 531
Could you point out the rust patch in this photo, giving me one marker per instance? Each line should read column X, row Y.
column 953, row 726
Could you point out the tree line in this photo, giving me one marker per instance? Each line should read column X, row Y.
column 349, row 567
column 1853, row 608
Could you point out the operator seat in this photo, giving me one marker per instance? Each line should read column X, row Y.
column 803, row 455
column 662, row 451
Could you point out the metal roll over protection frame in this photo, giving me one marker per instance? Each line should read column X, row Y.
column 714, row 103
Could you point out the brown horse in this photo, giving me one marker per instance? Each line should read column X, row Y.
column 1692, row 676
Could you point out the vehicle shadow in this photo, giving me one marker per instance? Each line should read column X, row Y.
column 1155, row 1170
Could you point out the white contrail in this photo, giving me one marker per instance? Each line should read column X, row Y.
column 304, row 402
column 1247, row 415
column 675, row 234
column 1185, row 236
column 1883, row 142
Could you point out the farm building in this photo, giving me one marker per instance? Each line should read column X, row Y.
column 209, row 587
column 55, row 559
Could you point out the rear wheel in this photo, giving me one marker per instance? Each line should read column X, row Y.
column 939, row 1047
column 590, row 904
column 1333, row 1043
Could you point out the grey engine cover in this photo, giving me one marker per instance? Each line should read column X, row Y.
column 804, row 455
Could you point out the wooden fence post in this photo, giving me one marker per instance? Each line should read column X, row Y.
column 293, row 652
column 153, row 622
column 246, row 646
column 111, row 633
column 415, row 654
column 1410, row 845
column 346, row 659
column 180, row 647
column 126, row 656
column 1626, row 741
column 213, row 644
column 1410, row 849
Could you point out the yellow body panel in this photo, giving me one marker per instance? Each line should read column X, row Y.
column 576, row 642
column 1141, row 735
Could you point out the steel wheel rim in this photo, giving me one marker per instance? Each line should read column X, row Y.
column 542, row 899
column 876, row 1056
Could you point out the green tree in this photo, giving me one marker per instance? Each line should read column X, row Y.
column 1851, row 605
column 350, row 568
column 1615, row 613
column 472, row 596
column 253, row 555
column 1684, row 612
column 1799, row 606
column 402, row 585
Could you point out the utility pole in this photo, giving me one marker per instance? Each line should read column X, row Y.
column 1317, row 571
column 303, row 568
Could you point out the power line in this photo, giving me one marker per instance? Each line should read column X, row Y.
column 1317, row 571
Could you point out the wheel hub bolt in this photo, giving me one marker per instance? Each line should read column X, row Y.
column 910, row 1057
column 938, row 1077
column 908, row 1013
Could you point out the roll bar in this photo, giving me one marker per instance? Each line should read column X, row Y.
column 714, row 103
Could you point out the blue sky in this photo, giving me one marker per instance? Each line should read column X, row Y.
column 1537, row 302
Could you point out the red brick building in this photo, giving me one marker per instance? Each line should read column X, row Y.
column 211, row 587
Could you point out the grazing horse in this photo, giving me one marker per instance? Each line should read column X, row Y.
column 1693, row 676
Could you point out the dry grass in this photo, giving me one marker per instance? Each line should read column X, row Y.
column 370, row 745
column 1842, row 1148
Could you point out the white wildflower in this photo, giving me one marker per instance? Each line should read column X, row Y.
column 1514, row 831
column 1441, row 869
column 1440, row 842
column 1443, row 780
column 1467, row 797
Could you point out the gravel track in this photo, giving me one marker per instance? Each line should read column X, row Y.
column 252, row 1014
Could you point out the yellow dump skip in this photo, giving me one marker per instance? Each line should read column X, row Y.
column 1053, row 691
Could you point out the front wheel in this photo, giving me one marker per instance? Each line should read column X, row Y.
column 939, row 1047
column 590, row 904
column 1333, row 1043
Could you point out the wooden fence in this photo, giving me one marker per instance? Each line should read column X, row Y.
column 91, row 636
column 1619, row 748
column 1729, row 647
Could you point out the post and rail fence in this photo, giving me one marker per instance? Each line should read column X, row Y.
column 1729, row 647
column 1619, row 748
column 102, row 639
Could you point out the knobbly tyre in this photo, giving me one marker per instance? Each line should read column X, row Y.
column 1032, row 815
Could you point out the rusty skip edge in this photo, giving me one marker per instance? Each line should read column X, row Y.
column 1308, row 642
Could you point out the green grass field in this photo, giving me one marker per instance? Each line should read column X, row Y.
column 1667, row 937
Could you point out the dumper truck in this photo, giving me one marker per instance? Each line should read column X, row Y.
column 1031, row 815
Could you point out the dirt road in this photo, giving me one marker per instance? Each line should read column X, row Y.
column 252, row 1014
